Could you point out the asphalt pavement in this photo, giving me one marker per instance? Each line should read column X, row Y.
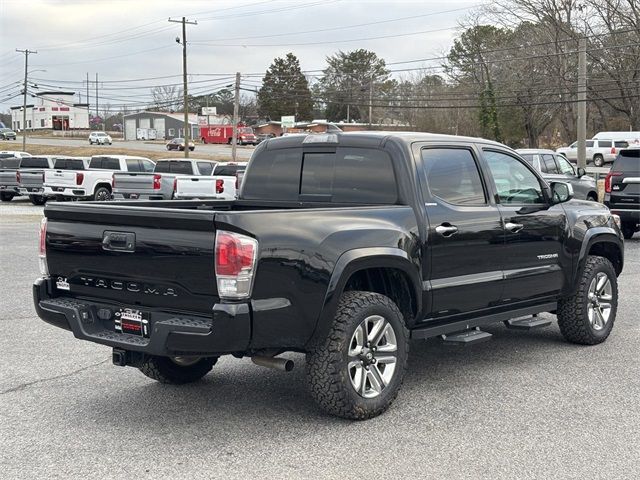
column 524, row 405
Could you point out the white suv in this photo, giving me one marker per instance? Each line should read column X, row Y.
column 598, row 151
column 101, row 138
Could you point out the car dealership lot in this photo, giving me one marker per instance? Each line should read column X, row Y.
column 525, row 405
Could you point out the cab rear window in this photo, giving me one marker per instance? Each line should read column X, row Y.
column 68, row 164
column 174, row 166
column 104, row 163
column 34, row 162
column 10, row 163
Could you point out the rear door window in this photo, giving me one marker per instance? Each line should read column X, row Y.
column 205, row 168
column 453, row 176
column 133, row 165
column 549, row 163
column 589, row 143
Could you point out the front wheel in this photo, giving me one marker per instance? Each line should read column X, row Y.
column 588, row 315
column 357, row 371
column 177, row 370
column 38, row 199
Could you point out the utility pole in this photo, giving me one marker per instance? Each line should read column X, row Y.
column 187, row 135
column 582, row 102
column 97, row 111
column 88, row 103
column 24, row 95
column 370, row 100
column 236, row 107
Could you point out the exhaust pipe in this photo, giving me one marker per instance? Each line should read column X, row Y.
column 273, row 362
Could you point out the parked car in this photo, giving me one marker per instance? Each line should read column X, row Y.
column 30, row 176
column 9, row 177
column 178, row 144
column 100, row 138
column 160, row 182
column 89, row 181
column 622, row 190
column 13, row 153
column 555, row 167
column 341, row 246
column 223, row 184
column 598, row 151
column 7, row 134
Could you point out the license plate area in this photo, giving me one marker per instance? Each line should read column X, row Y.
column 132, row 321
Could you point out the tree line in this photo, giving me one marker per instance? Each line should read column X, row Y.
column 510, row 75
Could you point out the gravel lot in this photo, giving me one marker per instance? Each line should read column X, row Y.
column 525, row 405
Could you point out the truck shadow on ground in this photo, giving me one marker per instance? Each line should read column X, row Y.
column 259, row 398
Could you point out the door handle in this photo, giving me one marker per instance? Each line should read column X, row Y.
column 513, row 227
column 446, row 229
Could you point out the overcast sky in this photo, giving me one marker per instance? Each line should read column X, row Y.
column 132, row 40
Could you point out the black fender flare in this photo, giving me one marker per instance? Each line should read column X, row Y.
column 593, row 236
column 358, row 259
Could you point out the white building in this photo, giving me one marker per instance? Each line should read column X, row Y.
column 52, row 111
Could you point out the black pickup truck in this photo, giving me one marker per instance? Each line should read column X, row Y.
column 341, row 246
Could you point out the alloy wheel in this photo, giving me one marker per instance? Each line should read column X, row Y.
column 372, row 356
column 599, row 298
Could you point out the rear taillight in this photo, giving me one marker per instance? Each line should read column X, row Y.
column 613, row 149
column 175, row 184
column 42, row 177
column 42, row 251
column 219, row 186
column 18, row 177
column 235, row 260
column 156, row 182
column 607, row 180
column 113, row 181
column 79, row 178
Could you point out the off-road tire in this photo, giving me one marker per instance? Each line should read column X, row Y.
column 572, row 311
column 598, row 160
column 628, row 229
column 326, row 366
column 38, row 199
column 165, row 370
column 6, row 196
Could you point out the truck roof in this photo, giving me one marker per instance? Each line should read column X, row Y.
column 368, row 139
column 120, row 157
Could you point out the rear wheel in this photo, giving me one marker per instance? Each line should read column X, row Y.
column 598, row 160
column 6, row 196
column 588, row 315
column 628, row 229
column 102, row 194
column 357, row 371
column 38, row 199
column 177, row 370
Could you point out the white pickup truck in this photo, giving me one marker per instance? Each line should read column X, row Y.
column 30, row 176
column 92, row 180
column 222, row 184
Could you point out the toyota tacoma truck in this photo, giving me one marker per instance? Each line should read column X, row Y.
column 159, row 182
column 340, row 246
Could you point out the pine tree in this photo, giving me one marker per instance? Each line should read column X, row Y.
column 285, row 90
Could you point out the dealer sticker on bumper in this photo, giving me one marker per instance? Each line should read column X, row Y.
column 62, row 284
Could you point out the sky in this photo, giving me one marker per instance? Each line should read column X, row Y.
column 129, row 44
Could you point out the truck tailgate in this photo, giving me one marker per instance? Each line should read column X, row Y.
column 133, row 182
column 31, row 178
column 130, row 255
column 206, row 187
column 61, row 178
column 8, row 177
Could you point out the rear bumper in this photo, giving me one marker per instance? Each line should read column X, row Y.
column 31, row 190
column 64, row 192
column 9, row 189
column 226, row 330
column 139, row 196
column 627, row 215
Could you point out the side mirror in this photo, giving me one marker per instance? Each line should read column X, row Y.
column 581, row 172
column 561, row 192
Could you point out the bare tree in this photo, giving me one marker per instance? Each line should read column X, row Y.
column 167, row 97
